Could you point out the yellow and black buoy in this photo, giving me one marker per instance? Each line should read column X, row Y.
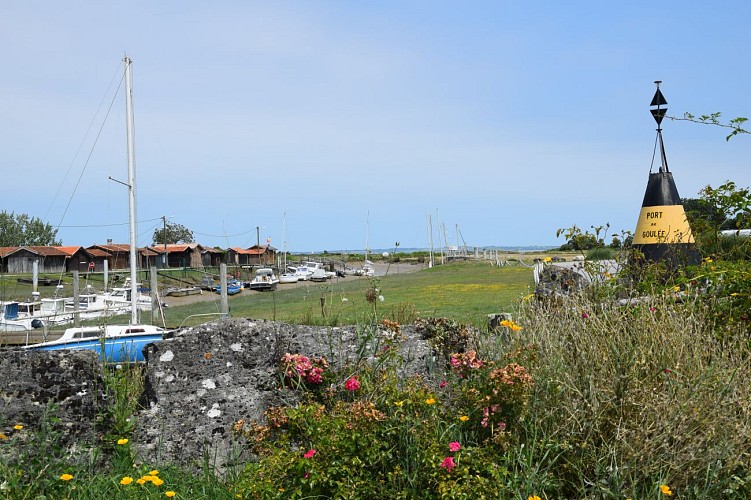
column 662, row 232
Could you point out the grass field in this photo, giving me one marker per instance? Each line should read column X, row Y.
column 465, row 291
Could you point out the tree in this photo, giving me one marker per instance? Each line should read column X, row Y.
column 172, row 233
column 22, row 230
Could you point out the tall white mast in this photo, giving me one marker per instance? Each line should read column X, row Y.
column 131, row 190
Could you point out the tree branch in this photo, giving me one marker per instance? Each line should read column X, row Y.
column 734, row 124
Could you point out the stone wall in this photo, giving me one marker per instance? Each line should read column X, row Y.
column 197, row 384
column 34, row 385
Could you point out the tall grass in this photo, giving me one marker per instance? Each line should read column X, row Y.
column 635, row 396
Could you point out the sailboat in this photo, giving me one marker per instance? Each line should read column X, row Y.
column 116, row 343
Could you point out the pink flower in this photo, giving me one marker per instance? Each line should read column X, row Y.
column 352, row 384
column 443, row 384
column 454, row 446
column 448, row 463
column 455, row 363
column 310, row 453
column 585, row 315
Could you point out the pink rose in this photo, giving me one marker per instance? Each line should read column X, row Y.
column 454, row 446
column 352, row 384
column 448, row 463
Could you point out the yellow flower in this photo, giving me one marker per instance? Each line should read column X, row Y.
column 398, row 403
column 676, row 289
column 122, row 441
column 157, row 481
column 126, row 480
column 665, row 489
column 3, row 436
column 154, row 473
column 141, row 480
column 707, row 259
column 66, row 477
column 169, row 493
column 430, row 401
column 534, row 497
column 734, row 294
column 464, row 418
column 546, row 259
column 18, row 427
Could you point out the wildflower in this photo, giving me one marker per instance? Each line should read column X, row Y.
column 169, row 494
column 154, row 472
column 585, row 315
column 157, row 481
column 309, row 453
column 448, row 463
column 141, row 480
column 443, row 384
column 676, row 289
column 454, row 446
column 430, row 401
column 665, row 490
column 3, row 436
column 352, row 384
column 345, row 300
column 464, row 418
column 126, row 480
column 66, row 477
column 734, row 294
column 398, row 403
column 547, row 259
column 122, row 441
column 18, row 427
column 534, row 497
column 380, row 297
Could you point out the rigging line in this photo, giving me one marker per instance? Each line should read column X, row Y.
column 91, row 152
column 80, row 146
column 109, row 225
column 654, row 153
column 224, row 235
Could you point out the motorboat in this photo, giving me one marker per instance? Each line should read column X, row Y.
column 264, row 280
column 288, row 276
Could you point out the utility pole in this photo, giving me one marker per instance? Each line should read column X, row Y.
column 164, row 235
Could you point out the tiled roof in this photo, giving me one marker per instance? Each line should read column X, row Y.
column 69, row 251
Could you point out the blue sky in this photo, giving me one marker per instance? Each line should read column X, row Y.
column 355, row 120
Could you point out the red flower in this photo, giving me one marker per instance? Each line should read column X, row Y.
column 309, row 454
column 454, row 446
column 448, row 463
column 352, row 384
column 585, row 315
column 443, row 384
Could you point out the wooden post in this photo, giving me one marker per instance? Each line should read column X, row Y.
column 76, row 299
column 154, row 297
column 223, row 288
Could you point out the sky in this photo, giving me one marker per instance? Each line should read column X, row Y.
column 336, row 125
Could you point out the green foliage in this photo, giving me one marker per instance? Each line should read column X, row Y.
column 601, row 253
column 735, row 124
column 387, row 436
column 22, row 230
column 172, row 233
column 579, row 240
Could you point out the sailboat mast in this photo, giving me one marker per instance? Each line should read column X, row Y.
column 131, row 190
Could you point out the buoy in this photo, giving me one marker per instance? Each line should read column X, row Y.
column 662, row 230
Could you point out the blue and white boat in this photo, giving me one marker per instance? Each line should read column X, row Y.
column 233, row 287
column 113, row 343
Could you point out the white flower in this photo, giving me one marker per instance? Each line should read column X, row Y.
column 380, row 297
column 345, row 300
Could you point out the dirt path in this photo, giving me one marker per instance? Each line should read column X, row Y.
column 381, row 268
